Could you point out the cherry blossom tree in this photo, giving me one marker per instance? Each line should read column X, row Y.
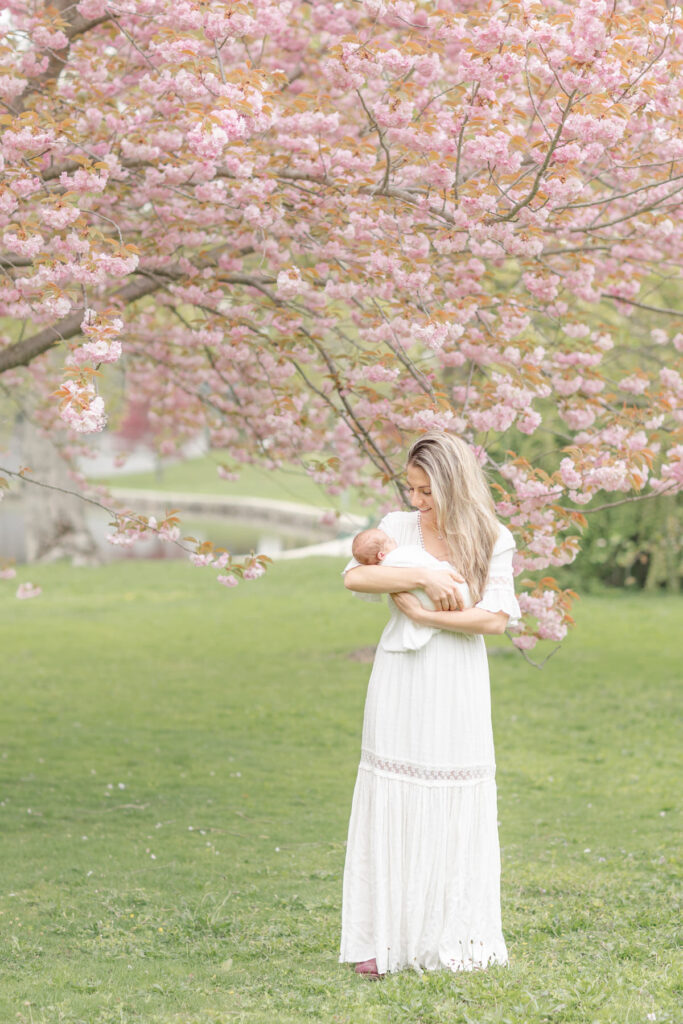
column 318, row 227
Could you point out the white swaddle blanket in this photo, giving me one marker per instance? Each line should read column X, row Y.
column 402, row 633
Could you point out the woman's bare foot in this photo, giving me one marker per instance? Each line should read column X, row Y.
column 368, row 968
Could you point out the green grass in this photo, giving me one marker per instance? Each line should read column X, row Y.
column 199, row 476
column 208, row 889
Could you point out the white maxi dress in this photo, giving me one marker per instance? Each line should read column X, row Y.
column 422, row 873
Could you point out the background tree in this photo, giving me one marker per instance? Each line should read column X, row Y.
column 321, row 228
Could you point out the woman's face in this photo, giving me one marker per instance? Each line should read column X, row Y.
column 420, row 493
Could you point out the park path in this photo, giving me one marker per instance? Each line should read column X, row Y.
column 266, row 511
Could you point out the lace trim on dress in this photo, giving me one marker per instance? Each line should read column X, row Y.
column 427, row 773
column 500, row 581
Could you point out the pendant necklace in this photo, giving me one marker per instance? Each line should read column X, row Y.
column 438, row 536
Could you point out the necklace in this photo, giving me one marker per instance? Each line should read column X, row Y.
column 419, row 530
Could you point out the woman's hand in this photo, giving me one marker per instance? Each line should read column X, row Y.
column 409, row 605
column 441, row 589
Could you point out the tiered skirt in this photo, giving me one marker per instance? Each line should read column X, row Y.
column 422, row 873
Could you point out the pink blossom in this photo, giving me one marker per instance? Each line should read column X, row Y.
column 18, row 143
column 32, row 63
column 576, row 330
column 433, row 335
column 568, row 473
column 102, row 346
column 525, row 643
column 611, row 477
column 551, row 627
column 544, row 287
column 11, row 86
column 169, row 533
column 494, row 150
column 289, row 283
column 498, row 417
column 529, row 422
column 90, row 9
column 580, row 497
column 395, row 61
column 253, row 571
column 592, row 386
column 637, row 383
column 52, row 307
column 59, row 216
column 671, row 379
column 442, row 178
column 207, row 140
column 542, row 545
column 81, row 408
column 23, row 244
column 99, row 351
column 9, row 573
column 123, row 537
column 672, row 470
column 28, row 590
column 379, row 372
column 566, row 385
column 578, row 417
column 229, row 580
column 394, row 114
column 84, row 181
column 46, row 39
column 201, row 560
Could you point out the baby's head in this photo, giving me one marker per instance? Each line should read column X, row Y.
column 370, row 546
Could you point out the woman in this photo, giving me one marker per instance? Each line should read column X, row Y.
column 422, row 873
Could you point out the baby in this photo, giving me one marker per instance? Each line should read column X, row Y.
column 375, row 547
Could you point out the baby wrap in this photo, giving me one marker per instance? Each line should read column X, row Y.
column 402, row 633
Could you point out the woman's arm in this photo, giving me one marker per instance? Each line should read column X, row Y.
column 440, row 585
column 470, row 620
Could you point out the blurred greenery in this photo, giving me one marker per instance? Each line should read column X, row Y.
column 637, row 545
column 200, row 476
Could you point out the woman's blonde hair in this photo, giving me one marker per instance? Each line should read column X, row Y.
column 465, row 513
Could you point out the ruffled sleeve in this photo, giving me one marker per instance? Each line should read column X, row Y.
column 388, row 524
column 499, row 592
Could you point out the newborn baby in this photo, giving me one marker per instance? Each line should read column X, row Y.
column 375, row 547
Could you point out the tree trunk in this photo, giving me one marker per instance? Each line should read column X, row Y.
column 673, row 551
column 55, row 524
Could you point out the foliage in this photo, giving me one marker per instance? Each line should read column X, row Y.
column 326, row 227
column 173, row 825
column 634, row 545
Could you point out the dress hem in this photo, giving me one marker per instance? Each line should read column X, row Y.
column 454, row 964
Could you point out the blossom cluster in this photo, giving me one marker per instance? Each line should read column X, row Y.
column 81, row 408
column 102, row 345
column 326, row 227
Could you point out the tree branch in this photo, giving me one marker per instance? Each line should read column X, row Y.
column 642, row 305
column 57, row 59
column 542, row 169
column 21, row 353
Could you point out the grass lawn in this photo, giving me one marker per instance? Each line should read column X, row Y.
column 199, row 476
column 176, row 768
